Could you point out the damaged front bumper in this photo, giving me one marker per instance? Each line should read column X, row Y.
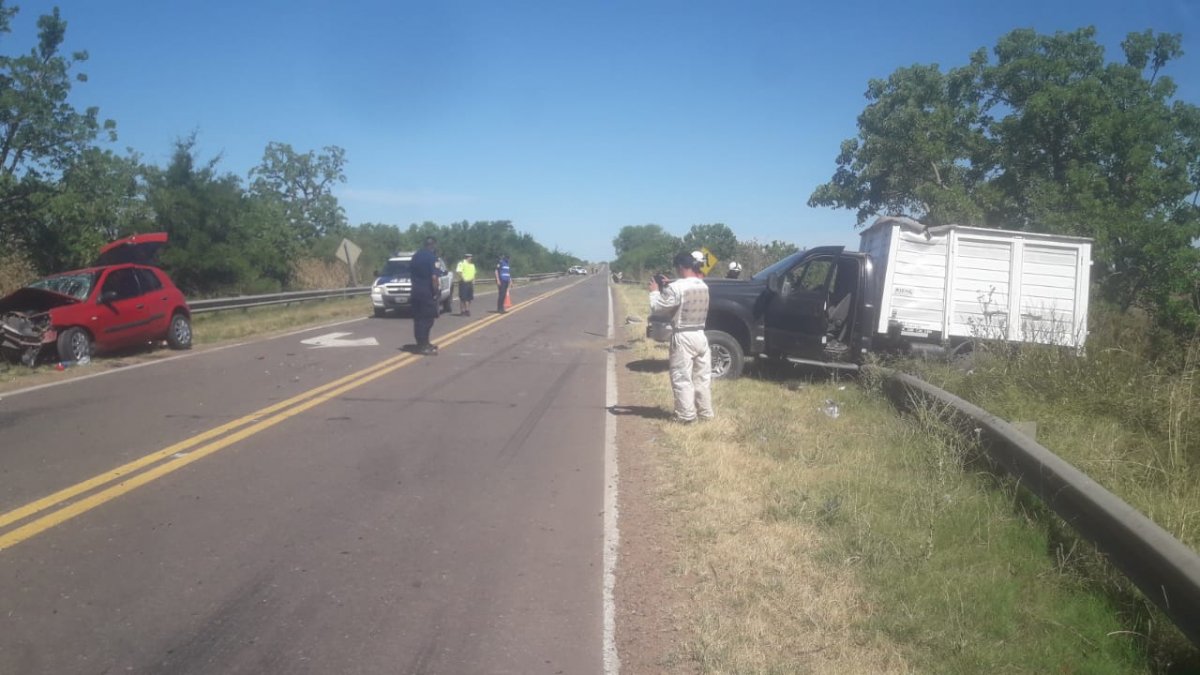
column 23, row 334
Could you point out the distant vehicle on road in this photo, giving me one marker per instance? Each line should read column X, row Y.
column 392, row 288
column 122, row 300
column 910, row 288
column 577, row 269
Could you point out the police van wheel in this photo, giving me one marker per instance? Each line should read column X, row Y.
column 727, row 357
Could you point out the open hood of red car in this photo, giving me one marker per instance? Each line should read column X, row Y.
column 34, row 300
column 141, row 249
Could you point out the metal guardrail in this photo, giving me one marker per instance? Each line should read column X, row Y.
column 1166, row 570
column 248, row 301
column 269, row 299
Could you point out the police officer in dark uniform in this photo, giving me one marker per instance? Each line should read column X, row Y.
column 425, row 293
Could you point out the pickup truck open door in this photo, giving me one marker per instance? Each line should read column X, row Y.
column 797, row 313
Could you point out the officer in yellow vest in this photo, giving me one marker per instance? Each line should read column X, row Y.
column 466, row 284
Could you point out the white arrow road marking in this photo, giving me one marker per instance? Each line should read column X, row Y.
column 335, row 340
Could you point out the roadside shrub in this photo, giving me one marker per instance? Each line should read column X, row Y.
column 15, row 272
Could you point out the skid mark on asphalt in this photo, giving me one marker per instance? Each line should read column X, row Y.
column 539, row 411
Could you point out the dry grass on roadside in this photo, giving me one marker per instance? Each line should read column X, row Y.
column 858, row 544
column 761, row 599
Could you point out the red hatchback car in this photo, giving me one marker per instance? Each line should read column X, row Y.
column 123, row 300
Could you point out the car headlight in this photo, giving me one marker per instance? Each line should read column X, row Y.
column 377, row 290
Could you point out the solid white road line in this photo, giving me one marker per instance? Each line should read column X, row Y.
column 612, row 660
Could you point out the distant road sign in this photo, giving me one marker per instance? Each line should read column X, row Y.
column 348, row 252
column 710, row 261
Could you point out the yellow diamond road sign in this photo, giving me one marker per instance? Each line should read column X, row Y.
column 710, row 261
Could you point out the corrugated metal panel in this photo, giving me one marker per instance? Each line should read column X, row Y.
column 981, row 288
column 1048, row 286
column 917, row 292
column 988, row 283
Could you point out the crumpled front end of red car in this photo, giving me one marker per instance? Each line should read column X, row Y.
column 23, row 334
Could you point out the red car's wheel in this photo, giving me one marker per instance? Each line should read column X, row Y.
column 74, row 344
column 179, row 335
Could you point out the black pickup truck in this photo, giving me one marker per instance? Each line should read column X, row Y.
column 818, row 305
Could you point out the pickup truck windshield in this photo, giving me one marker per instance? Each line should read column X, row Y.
column 780, row 267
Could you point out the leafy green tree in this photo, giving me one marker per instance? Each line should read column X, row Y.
column 717, row 237
column 98, row 198
column 221, row 240
column 755, row 256
column 1047, row 136
column 40, row 130
column 644, row 248
column 45, row 139
column 302, row 183
column 485, row 240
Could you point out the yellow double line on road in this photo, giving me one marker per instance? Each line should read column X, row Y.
column 182, row 453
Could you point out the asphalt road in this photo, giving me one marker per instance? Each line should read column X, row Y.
column 277, row 507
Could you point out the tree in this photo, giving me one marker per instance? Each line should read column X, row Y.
column 221, row 240
column 1049, row 137
column 303, row 184
column 42, row 136
column 717, row 238
column 40, row 131
column 755, row 256
column 98, row 199
column 641, row 248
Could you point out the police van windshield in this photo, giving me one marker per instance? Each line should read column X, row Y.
column 397, row 268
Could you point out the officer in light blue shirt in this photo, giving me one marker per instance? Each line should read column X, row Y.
column 503, row 280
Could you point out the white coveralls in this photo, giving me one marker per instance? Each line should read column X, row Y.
column 686, row 302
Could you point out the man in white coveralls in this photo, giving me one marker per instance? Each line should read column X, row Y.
column 685, row 301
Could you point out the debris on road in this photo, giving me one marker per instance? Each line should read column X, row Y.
column 831, row 408
column 63, row 365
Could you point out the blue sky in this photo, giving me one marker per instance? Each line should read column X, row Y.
column 571, row 119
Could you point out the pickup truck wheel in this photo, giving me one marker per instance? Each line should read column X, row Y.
column 727, row 357
column 380, row 312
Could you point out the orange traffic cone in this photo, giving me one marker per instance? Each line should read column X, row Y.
column 508, row 298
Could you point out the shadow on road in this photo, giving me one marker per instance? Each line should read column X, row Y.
column 649, row 412
column 648, row 366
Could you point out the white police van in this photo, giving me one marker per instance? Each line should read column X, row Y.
column 393, row 285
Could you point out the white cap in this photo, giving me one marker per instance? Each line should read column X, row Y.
column 699, row 257
column 735, row 266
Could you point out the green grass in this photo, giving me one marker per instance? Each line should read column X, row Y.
column 235, row 324
column 1127, row 413
column 869, row 538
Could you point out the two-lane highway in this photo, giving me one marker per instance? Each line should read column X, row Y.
column 277, row 507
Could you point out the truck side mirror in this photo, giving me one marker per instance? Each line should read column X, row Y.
column 775, row 283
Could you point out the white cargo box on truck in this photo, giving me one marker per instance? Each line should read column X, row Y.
column 952, row 283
